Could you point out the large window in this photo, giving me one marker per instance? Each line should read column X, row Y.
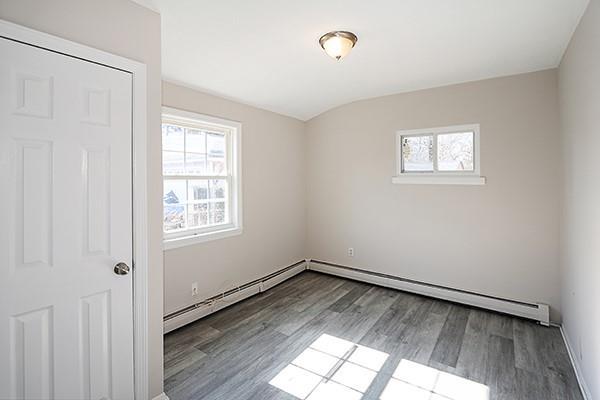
column 201, row 172
column 439, row 155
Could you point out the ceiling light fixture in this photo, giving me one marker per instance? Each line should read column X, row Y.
column 337, row 44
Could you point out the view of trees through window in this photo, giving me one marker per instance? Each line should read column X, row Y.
column 196, row 182
column 417, row 153
column 454, row 152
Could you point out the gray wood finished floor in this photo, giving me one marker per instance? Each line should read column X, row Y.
column 235, row 353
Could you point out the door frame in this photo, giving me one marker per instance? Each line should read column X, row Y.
column 56, row 44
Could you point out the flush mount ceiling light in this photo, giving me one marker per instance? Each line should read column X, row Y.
column 337, row 44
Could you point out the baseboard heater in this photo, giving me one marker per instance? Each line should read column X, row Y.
column 535, row 311
column 208, row 306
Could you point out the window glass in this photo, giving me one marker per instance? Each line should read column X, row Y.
column 173, row 163
column 174, row 203
column 201, row 177
column 195, row 141
column 193, row 157
column 172, row 138
column 417, row 153
column 216, row 146
column 455, row 151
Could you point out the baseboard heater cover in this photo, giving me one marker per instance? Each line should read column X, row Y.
column 208, row 306
column 535, row 311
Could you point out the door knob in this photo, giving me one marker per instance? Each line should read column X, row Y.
column 121, row 269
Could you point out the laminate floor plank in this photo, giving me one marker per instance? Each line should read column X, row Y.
column 474, row 355
column 501, row 374
column 296, row 319
column 356, row 290
column 238, row 352
column 451, row 337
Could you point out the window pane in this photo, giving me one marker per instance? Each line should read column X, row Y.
column 173, row 163
column 215, row 143
column 174, row 217
column 195, row 141
column 197, row 190
column 217, row 213
column 417, row 153
column 174, row 191
column 172, row 137
column 174, row 196
column 218, row 210
column 195, row 164
column 455, row 151
column 197, row 215
column 218, row 189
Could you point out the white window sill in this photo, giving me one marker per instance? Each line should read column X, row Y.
column 192, row 239
column 438, row 180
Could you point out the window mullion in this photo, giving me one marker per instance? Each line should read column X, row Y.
column 206, row 151
column 208, row 205
column 187, row 204
column 185, row 149
column 186, row 177
column 435, row 152
column 229, row 204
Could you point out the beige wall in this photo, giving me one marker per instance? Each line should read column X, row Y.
column 500, row 239
column 579, row 88
column 273, row 179
column 120, row 27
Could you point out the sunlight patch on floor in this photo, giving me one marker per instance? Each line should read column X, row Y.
column 331, row 368
column 415, row 381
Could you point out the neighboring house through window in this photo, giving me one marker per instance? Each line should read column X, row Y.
column 201, row 178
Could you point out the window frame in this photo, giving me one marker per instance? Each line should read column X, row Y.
column 436, row 176
column 233, row 132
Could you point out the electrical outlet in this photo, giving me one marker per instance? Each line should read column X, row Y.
column 350, row 251
column 195, row 289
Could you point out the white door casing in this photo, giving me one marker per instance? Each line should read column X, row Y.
column 66, row 326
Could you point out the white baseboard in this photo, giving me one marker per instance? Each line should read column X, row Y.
column 161, row 396
column 539, row 312
column 576, row 366
column 202, row 310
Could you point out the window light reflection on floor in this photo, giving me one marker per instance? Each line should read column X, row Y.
column 334, row 368
column 331, row 368
column 415, row 381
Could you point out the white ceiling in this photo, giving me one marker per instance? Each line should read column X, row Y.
column 266, row 53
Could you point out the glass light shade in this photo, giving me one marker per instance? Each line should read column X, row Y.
column 337, row 45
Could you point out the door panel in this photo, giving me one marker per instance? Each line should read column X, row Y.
column 66, row 320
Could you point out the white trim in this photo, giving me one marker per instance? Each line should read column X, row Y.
column 585, row 392
column 140, row 229
column 175, row 243
column 206, row 309
column 538, row 312
column 234, row 168
column 161, row 396
column 438, row 180
column 440, row 177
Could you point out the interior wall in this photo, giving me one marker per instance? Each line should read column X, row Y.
column 273, row 193
column 124, row 28
column 499, row 239
column 579, row 89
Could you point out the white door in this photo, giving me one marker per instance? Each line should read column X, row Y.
column 66, row 327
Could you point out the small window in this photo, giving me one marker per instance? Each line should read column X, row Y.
column 447, row 155
column 201, row 178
